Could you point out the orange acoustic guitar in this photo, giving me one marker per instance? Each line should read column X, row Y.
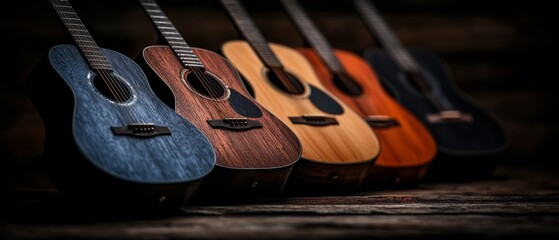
column 255, row 151
column 407, row 145
column 338, row 145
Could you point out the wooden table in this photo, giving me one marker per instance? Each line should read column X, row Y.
column 519, row 202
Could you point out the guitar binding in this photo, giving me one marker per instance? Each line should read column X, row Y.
column 222, row 92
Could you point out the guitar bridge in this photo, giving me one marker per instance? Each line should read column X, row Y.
column 381, row 121
column 236, row 124
column 314, row 120
column 450, row 116
column 141, row 130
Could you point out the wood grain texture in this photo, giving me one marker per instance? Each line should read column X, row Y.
column 302, row 227
column 349, row 143
column 511, row 206
column 182, row 157
column 408, row 147
column 466, row 142
column 273, row 149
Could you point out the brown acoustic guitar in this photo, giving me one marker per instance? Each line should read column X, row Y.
column 338, row 145
column 255, row 150
column 407, row 145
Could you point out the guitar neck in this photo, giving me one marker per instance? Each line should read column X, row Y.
column 387, row 38
column 171, row 35
column 81, row 35
column 312, row 35
column 250, row 32
column 398, row 53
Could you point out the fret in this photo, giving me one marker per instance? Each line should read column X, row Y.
column 387, row 38
column 188, row 54
column 153, row 10
column 66, row 12
column 189, row 62
column 313, row 36
column 248, row 29
column 149, row 4
column 187, row 57
column 63, row 6
column 80, row 30
column 72, row 24
column 81, row 35
column 163, row 17
column 101, row 65
column 174, row 38
column 186, row 51
column 163, row 22
column 195, row 65
column 170, row 33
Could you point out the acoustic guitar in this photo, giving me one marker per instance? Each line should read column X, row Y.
column 469, row 139
column 109, row 139
column 255, row 150
column 338, row 145
column 407, row 145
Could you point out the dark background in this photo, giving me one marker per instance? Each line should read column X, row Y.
column 502, row 54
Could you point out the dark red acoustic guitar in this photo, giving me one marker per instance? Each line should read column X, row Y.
column 255, row 150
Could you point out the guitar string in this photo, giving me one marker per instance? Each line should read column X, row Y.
column 246, row 25
column 321, row 46
column 212, row 90
column 66, row 17
column 212, row 86
column 119, row 93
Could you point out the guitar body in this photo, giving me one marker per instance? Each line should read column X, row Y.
column 254, row 160
column 407, row 145
column 335, row 156
column 87, row 160
column 465, row 149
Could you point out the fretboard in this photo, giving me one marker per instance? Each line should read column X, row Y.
column 81, row 35
column 250, row 32
column 387, row 38
column 171, row 34
column 312, row 35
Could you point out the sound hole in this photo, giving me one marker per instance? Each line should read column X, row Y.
column 112, row 87
column 347, row 85
column 206, row 85
column 285, row 81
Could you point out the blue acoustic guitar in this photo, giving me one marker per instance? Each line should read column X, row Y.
column 109, row 139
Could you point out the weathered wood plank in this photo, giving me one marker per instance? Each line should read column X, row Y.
column 401, row 204
column 299, row 227
column 520, row 203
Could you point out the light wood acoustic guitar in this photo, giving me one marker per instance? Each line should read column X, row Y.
column 338, row 145
column 407, row 145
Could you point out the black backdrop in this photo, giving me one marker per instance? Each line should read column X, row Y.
column 500, row 53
